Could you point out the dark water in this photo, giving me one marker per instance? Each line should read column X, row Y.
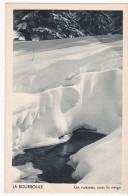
column 52, row 159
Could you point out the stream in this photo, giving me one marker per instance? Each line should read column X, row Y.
column 52, row 160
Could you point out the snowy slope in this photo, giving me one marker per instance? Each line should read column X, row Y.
column 43, row 65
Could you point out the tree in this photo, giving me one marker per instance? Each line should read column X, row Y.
column 58, row 24
column 94, row 22
column 117, row 22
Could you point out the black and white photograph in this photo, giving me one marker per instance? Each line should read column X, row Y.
column 67, row 97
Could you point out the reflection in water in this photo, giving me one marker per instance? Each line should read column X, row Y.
column 52, row 159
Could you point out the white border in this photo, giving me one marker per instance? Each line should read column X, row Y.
column 2, row 92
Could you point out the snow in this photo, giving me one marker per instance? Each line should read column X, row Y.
column 99, row 162
column 62, row 85
column 41, row 65
column 16, row 174
column 89, row 102
column 26, row 173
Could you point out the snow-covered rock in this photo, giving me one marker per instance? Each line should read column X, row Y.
column 92, row 100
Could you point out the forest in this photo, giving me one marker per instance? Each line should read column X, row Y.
column 59, row 24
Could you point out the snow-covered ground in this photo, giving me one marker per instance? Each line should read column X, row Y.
column 62, row 85
column 41, row 65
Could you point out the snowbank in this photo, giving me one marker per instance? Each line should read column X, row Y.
column 26, row 173
column 91, row 100
column 16, row 174
column 99, row 162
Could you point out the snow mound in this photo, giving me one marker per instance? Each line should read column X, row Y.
column 99, row 162
column 16, row 174
column 92, row 100
column 26, row 173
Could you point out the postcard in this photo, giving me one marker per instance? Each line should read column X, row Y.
column 66, row 98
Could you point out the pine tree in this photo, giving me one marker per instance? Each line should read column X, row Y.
column 58, row 24
column 94, row 22
column 117, row 22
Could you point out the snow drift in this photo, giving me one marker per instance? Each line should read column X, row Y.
column 99, row 162
column 91, row 100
